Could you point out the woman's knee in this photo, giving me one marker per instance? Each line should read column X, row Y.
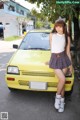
column 60, row 75
column 65, row 71
column 62, row 79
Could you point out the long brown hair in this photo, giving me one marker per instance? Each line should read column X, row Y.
column 62, row 24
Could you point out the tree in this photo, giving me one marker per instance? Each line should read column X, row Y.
column 53, row 11
column 38, row 15
column 41, row 19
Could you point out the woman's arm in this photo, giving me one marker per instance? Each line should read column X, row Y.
column 68, row 53
column 50, row 39
column 68, row 49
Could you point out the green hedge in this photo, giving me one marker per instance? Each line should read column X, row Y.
column 12, row 38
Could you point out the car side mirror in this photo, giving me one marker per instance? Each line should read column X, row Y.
column 15, row 46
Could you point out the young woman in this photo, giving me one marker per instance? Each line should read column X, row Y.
column 60, row 59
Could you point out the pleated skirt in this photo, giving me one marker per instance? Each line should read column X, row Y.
column 59, row 61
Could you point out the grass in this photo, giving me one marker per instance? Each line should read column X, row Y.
column 13, row 38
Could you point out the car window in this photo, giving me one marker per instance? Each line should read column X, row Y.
column 36, row 40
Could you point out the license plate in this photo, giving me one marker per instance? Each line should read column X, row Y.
column 38, row 85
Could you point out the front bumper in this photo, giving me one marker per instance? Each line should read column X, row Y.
column 22, row 82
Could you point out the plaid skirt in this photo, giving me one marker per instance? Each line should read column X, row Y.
column 59, row 60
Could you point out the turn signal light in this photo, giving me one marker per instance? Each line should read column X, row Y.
column 68, row 82
column 10, row 79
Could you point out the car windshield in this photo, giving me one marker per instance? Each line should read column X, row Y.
column 36, row 40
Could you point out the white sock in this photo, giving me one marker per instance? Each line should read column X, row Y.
column 58, row 96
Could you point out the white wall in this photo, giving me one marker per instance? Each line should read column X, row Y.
column 11, row 29
column 13, row 26
column 30, row 25
column 10, row 24
column 6, row 6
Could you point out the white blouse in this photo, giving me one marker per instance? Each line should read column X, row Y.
column 58, row 43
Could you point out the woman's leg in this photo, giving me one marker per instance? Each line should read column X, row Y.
column 59, row 102
column 63, row 90
column 60, row 87
column 61, row 82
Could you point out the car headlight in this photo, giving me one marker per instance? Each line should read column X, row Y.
column 12, row 70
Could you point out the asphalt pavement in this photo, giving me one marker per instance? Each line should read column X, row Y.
column 7, row 46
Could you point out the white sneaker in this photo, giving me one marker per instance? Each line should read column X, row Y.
column 61, row 107
column 57, row 101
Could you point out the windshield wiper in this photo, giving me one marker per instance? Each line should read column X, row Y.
column 37, row 49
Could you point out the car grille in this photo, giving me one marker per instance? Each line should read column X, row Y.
column 26, row 83
column 21, row 82
column 32, row 73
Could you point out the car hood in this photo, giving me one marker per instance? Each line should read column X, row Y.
column 30, row 59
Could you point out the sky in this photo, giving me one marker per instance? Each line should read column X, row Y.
column 28, row 5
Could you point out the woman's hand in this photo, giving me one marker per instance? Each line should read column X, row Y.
column 71, row 69
column 47, row 63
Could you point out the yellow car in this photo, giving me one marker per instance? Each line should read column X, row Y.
column 28, row 69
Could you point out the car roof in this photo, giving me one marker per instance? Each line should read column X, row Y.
column 40, row 30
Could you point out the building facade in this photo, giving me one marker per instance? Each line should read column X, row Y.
column 14, row 19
